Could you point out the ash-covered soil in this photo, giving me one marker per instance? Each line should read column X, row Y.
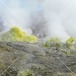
column 16, row 59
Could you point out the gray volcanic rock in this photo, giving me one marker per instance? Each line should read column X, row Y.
column 16, row 59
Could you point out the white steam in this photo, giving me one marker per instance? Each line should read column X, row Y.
column 14, row 15
column 54, row 18
column 61, row 17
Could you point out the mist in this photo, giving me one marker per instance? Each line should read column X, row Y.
column 61, row 18
column 53, row 18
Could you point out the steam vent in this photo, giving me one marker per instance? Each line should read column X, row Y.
column 43, row 40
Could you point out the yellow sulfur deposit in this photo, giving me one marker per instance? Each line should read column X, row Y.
column 70, row 41
column 17, row 35
column 25, row 73
column 52, row 41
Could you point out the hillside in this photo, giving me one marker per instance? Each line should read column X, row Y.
column 26, row 55
column 34, row 59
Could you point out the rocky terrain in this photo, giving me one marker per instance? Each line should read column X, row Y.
column 34, row 59
column 26, row 55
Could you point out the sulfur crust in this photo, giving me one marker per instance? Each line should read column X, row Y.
column 16, row 34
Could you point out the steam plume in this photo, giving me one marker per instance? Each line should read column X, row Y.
column 54, row 18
